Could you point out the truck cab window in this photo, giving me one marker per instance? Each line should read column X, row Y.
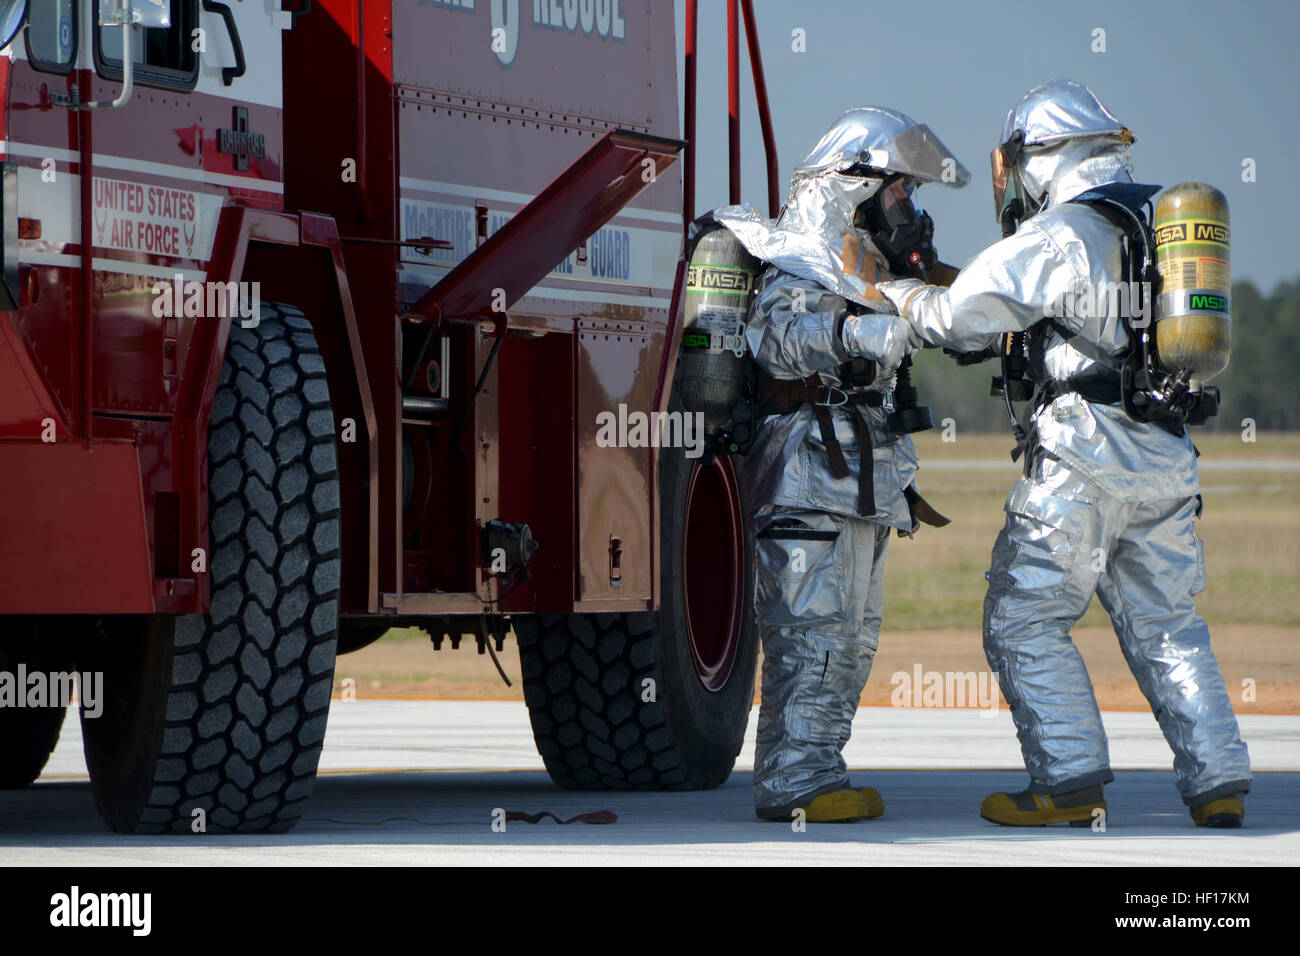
column 52, row 35
column 163, row 56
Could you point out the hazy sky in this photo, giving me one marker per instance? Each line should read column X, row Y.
column 1204, row 85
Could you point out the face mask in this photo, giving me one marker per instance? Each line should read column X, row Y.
column 903, row 234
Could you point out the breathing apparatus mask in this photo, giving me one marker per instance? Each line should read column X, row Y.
column 903, row 234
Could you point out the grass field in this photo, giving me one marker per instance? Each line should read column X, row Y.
column 1250, row 524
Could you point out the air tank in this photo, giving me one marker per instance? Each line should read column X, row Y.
column 1193, row 319
column 721, row 280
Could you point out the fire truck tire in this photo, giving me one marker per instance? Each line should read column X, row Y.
column 615, row 699
column 27, row 738
column 225, row 712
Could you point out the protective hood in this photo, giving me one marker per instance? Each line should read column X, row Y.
column 814, row 237
column 1062, row 172
column 1071, row 142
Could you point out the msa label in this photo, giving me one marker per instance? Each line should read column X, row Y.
column 1193, row 230
column 720, row 280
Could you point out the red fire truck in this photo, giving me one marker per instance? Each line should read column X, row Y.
column 309, row 318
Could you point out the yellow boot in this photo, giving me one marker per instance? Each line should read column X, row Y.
column 1225, row 813
column 1028, row 809
column 844, row 806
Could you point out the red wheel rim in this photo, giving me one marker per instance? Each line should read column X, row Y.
column 713, row 570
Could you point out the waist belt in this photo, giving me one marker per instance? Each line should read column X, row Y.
column 1100, row 390
column 781, row 397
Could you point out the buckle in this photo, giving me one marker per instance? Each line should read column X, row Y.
column 733, row 342
column 829, row 393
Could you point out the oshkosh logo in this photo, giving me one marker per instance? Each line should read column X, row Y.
column 240, row 141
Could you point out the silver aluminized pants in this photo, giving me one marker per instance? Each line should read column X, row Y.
column 820, row 587
column 1064, row 540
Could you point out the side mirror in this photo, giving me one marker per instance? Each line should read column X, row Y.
column 12, row 15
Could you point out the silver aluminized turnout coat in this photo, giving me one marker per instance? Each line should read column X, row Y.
column 1108, row 504
column 820, row 547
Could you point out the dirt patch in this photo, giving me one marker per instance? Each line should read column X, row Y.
column 1262, row 654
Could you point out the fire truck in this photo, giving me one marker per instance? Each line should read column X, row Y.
column 310, row 317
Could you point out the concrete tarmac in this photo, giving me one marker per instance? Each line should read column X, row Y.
column 421, row 782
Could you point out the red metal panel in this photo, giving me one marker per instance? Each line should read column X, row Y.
column 538, row 464
column 49, row 326
column 354, row 40
column 24, row 401
column 74, row 529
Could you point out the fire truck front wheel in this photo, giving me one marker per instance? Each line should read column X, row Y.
column 214, row 722
column 655, row 700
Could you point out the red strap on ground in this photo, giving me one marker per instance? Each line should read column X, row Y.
column 596, row 816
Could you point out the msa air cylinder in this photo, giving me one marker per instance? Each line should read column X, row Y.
column 720, row 284
column 1193, row 321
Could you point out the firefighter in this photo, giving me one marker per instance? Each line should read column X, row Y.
column 1108, row 503
column 828, row 479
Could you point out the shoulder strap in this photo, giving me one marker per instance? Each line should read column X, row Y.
column 1124, row 204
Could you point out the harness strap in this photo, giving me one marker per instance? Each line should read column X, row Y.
column 780, row 397
column 922, row 510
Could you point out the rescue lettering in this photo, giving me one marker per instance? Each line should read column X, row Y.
column 602, row 17
column 590, row 18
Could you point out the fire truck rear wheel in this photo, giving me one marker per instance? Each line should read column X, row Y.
column 225, row 712
column 27, row 738
column 655, row 700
